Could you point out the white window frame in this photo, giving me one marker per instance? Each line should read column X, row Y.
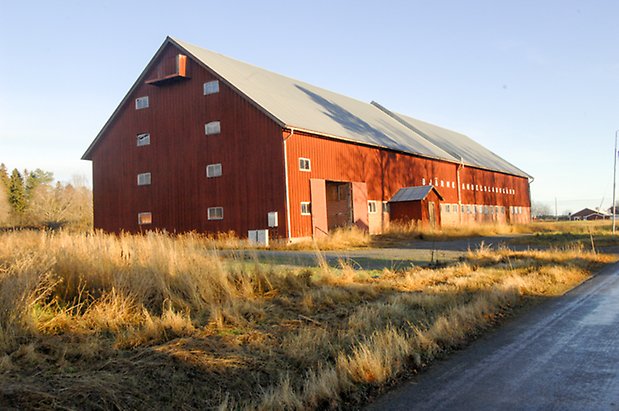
column 212, row 128
column 372, row 207
column 142, row 139
column 210, row 87
column 142, row 103
column 386, row 207
column 305, row 164
column 306, row 208
column 144, row 215
column 215, row 213
column 144, row 179
column 214, row 170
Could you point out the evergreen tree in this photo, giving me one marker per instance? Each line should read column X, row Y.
column 35, row 178
column 16, row 192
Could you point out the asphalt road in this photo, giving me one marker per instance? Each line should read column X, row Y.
column 400, row 256
column 562, row 355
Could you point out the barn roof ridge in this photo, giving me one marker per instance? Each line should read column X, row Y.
column 301, row 105
column 296, row 104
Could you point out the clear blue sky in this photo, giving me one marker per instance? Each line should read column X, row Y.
column 535, row 81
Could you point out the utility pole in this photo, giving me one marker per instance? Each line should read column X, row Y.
column 614, row 180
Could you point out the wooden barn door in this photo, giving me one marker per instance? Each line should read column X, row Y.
column 360, row 205
column 320, row 227
column 431, row 214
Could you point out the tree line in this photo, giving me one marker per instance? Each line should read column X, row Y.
column 33, row 199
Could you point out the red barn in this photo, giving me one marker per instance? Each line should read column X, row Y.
column 207, row 143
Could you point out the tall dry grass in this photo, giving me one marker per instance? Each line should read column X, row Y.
column 164, row 322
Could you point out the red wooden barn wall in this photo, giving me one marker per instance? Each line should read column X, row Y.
column 385, row 172
column 249, row 148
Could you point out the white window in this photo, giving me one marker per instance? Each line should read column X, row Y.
column 213, row 170
column 306, row 208
column 143, row 139
column 385, row 207
column 144, row 179
column 371, row 206
column 215, row 213
column 272, row 219
column 211, row 87
column 447, row 208
column 145, row 218
column 305, row 164
column 468, row 209
column 141, row 102
column 214, row 127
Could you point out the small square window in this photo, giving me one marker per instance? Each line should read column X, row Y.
column 211, row 87
column 372, row 207
column 213, row 170
column 141, row 102
column 306, row 208
column 386, row 207
column 214, row 127
column 145, row 218
column 143, row 139
column 305, row 164
column 447, row 208
column 215, row 213
column 144, row 179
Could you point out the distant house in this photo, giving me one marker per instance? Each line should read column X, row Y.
column 589, row 214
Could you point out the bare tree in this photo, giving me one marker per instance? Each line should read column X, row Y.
column 540, row 209
column 60, row 204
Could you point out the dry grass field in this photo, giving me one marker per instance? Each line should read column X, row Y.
column 148, row 322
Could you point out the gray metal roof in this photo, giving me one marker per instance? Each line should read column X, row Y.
column 413, row 193
column 296, row 104
column 457, row 145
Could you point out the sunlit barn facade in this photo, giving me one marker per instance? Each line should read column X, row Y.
column 207, row 143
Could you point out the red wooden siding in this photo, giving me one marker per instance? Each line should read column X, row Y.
column 249, row 148
column 385, row 172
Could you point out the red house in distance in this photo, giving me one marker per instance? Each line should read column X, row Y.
column 207, row 143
